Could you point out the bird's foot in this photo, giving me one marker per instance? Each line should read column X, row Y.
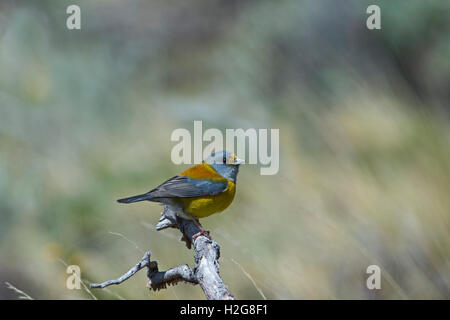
column 201, row 233
column 195, row 236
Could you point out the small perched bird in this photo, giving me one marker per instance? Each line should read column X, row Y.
column 199, row 191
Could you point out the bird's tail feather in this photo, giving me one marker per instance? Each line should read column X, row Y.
column 140, row 197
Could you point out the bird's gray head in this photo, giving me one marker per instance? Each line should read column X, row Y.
column 225, row 163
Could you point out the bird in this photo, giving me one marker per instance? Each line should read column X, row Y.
column 198, row 192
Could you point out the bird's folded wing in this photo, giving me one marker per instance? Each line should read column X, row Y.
column 185, row 187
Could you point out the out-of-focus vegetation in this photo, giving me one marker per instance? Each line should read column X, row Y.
column 86, row 118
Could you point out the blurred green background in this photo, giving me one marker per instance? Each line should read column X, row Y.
column 86, row 118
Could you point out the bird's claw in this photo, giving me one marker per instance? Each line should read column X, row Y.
column 201, row 233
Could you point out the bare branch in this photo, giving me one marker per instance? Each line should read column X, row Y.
column 145, row 262
column 160, row 279
column 206, row 256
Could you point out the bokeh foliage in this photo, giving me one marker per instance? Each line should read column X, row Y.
column 86, row 118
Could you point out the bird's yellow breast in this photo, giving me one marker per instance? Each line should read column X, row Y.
column 201, row 207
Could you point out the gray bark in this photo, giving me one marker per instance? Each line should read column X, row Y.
column 205, row 271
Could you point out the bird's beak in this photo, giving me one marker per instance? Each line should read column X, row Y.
column 238, row 161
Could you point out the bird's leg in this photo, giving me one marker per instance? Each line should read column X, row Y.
column 202, row 232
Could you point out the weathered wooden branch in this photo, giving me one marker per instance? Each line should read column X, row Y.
column 206, row 257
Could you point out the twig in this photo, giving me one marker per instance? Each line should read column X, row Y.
column 23, row 295
column 206, row 256
column 115, row 294
column 250, row 277
column 157, row 279
column 145, row 262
